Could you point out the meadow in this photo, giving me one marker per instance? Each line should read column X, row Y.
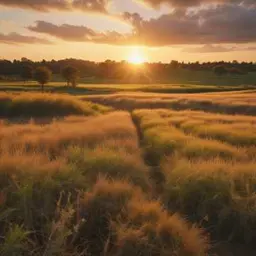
column 235, row 102
column 128, row 173
column 110, row 88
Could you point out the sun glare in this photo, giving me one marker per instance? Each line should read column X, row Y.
column 136, row 56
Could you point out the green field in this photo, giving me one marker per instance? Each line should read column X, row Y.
column 120, row 170
column 81, row 89
column 184, row 76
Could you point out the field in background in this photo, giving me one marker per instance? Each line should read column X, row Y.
column 81, row 89
column 127, row 173
column 225, row 102
column 179, row 76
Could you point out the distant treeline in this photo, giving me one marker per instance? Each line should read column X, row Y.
column 123, row 70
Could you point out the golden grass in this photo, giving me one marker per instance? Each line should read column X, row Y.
column 208, row 164
column 162, row 138
column 42, row 165
column 121, row 214
column 45, row 105
column 218, row 193
column 114, row 128
column 79, row 186
column 229, row 103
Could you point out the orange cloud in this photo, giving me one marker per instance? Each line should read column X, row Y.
column 62, row 5
column 15, row 38
column 223, row 24
column 194, row 3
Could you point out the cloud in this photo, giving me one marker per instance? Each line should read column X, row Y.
column 195, row 3
column 221, row 24
column 226, row 24
column 15, row 38
column 216, row 48
column 91, row 5
column 62, row 5
column 79, row 33
column 65, row 31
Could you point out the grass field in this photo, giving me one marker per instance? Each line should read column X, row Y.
column 226, row 102
column 82, row 88
column 127, row 173
column 182, row 76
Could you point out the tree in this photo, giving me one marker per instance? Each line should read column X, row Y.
column 220, row 70
column 70, row 74
column 174, row 64
column 236, row 71
column 42, row 76
column 26, row 73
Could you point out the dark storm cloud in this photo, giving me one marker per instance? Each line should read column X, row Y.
column 15, row 38
column 64, row 5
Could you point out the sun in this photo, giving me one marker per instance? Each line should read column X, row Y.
column 136, row 56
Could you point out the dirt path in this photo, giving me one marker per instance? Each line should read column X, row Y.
column 156, row 176
column 221, row 248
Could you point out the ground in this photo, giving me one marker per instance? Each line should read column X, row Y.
column 127, row 170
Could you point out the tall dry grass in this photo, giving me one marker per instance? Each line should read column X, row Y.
column 127, row 223
column 219, row 194
column 28, row 105
column 161, row 138
column 71, row 188
column 42, row 178
column 225, row 103
column 208, row 164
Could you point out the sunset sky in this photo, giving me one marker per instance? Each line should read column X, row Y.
column 150, row 30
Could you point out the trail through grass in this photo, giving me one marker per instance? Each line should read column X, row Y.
column 207, row 180
column 94, row 181
column 72, row 186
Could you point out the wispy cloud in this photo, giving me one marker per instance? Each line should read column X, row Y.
column 62, row 5
column 217, row 48
column 194, row 3
column 15, row 38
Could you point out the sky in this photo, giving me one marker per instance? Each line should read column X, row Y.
column 133, row 30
